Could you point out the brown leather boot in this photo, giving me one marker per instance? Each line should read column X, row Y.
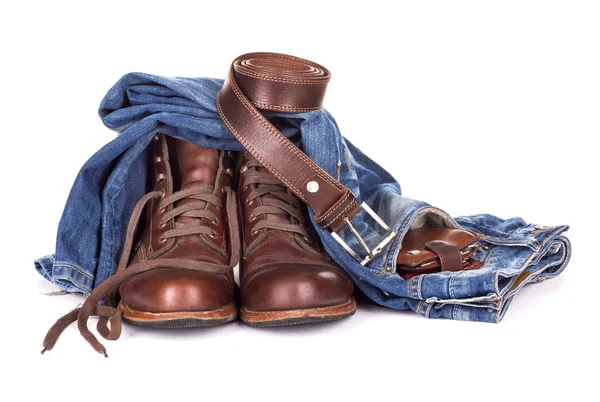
column 189, row 223
column 286, row 277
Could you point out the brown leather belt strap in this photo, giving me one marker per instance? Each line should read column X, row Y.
column 271, row 81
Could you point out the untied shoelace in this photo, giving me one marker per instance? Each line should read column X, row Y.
column 108, row 313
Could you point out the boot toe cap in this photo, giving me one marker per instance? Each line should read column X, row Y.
column 299, row 287
column 175, row 290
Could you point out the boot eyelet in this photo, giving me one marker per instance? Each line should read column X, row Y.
column 162, row 239
column 157, row 159
column 253, row 232
column 252, row 218
column 160, row 177
column 306, row 239
column 161, row 225
column 249, row 202
column 215, row 221
column 162, row 194
column 213, row 234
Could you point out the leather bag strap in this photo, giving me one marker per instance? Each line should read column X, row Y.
column 278, row 82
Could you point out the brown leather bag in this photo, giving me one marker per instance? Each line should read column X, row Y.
column 435, row 249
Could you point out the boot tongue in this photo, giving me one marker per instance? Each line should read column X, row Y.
column 197, row 168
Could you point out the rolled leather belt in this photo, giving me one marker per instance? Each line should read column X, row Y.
column 278, row 82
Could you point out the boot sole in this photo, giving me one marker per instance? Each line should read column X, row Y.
column 180, row 319
column 263, row 319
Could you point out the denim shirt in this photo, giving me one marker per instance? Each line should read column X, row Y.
column 93, row 225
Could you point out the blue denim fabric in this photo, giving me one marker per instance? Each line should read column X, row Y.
column 92, row 229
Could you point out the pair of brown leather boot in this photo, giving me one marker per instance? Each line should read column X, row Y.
column 285, row 275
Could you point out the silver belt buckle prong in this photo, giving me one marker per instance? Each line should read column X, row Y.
column 370, row 253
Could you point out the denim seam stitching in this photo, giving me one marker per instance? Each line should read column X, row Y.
column 534, row 275
column 419, row 307
column 428, row 310
column 112, row 233
column 499, row 309
column 397, row 244
column 496, row 280
column 490, row 239
column 495, row 230
column 451, row 287
column 419, row 294
column 76, row 268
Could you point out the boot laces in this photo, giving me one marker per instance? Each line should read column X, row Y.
column 110, row 323
column 283, row 203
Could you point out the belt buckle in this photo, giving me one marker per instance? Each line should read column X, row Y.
column 370, row 253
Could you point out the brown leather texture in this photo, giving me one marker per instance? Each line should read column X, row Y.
column 175, row 165
column 282, row 270
column 281, row 83
column 433, row 249
column 449, row 254
column 272, row 81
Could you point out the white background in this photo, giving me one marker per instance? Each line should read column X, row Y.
column 473, row 106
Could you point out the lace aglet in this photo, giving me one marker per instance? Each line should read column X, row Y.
column 104, row 353
column 44, row 350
